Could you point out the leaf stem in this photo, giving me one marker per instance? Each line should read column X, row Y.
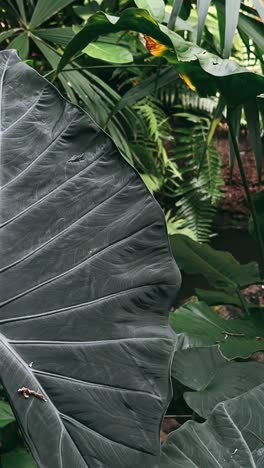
column 249, row 198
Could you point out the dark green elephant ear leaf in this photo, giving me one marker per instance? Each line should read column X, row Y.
column 87, row 279
column 232, row 437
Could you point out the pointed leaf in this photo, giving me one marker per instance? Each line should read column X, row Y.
column 202, row 7
column 87, row 279
column 6, row 34
column 21, row 44
column 234, row 116
column 231, row 20
column 253, row 123
column 60, row 36
column 176, row 8
column 155, row 7
column 21, row 8
column 45, row 9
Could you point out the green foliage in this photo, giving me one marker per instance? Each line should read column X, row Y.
column 220, row 269
column 231, row 437
column 166, row 130
column 212, row 378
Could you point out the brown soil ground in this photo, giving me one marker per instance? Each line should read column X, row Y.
column 233, row 210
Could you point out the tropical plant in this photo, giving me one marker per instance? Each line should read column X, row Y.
column 220, row 389
column 86, row 280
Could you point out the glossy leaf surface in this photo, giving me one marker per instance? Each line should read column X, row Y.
column 220, row 268
column 232, row 437
column 87, row 279
column 212, row 378
column 200, row 326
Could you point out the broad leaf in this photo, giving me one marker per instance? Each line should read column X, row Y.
column 201, row 326
column 108, row 52
column 233, row 437
column 220, row 268
column 155, row 7
column 213, row 378
column 204, row 71
column 87, row 282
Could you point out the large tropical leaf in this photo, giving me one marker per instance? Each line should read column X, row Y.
column 231, row 438
column 199, row 325
column 220, row 268
column 212, row 378
column 87, row 279
column 206, row 72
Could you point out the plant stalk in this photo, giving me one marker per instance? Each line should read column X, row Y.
column 249, row 199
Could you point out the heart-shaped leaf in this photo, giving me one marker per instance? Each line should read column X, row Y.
column 87, row 279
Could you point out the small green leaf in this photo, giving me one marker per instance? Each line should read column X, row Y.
column 108, row 52
column 6, row 34
column 21, row 44
column 155, row 7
